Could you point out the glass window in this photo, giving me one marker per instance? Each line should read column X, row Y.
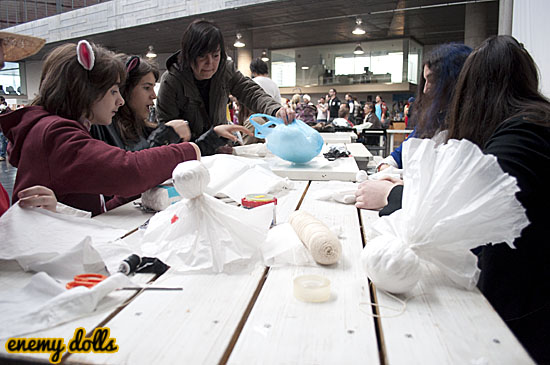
column 10, row 79
column 335, row 64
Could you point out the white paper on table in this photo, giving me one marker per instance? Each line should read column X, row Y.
column 253, row 150
column 283, row 247
column 236, row 177
column 339, row 191
column 35, row 236
column 206, row 235
column 45, row 303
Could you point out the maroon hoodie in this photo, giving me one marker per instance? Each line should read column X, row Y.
column 61, row 154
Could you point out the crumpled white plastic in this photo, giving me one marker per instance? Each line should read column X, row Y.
column 45, row 303
column 251, row 150
column 339, row 191
column 236, row 177
column 455, row 198
column 283, row 247
column 37, row 239
column 201, row 233
column 389, row 172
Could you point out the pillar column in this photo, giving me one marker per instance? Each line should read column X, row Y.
column 475, row 24
column 244, row 54
column 505, row 16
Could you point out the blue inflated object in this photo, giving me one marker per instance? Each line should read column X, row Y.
column 296, row 142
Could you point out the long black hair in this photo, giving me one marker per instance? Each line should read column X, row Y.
column 499, row 82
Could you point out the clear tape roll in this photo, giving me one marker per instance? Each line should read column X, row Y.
column 312, row 288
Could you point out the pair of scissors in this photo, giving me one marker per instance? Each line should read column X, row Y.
column 87, row 280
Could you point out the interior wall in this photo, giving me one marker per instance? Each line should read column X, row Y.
column 530, row 26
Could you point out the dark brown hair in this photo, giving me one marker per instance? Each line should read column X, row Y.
column 200, row 38
column 498, row 82
column 129, row 125
column 68, row 90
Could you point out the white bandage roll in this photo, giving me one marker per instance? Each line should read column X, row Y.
column 322, row 243
column 160, row 197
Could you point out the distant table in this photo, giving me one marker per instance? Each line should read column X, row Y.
column 391, row 133
column 339, row 137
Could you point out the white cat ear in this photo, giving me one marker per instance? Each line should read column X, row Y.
column 85, row 55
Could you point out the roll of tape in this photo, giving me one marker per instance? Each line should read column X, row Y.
column 312, row 288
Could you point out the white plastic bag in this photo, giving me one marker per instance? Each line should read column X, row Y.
column 455, row 198
column 201, row 233
column 36, row 236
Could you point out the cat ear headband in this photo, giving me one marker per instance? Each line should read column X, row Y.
column 132, row 63
column 85, row 55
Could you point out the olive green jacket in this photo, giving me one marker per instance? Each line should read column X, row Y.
column 179, row 98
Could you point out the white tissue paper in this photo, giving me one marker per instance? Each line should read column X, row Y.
column 251, row 150
column 236, row 177
column 37, row 239
column 45, row 303
column 339, row 191
column 201, row 233
column 455, row 198
column 389, row 172
column 283, row 247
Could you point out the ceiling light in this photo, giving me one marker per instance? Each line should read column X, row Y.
column 238, row 43
column 305, row 67
column 264, row 56
column 151, row 53
column 358, row 49
column 358, row 29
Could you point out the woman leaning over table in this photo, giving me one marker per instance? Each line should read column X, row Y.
column 514, row 127
column 197, row 84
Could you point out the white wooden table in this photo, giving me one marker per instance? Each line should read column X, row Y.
column 254, row 318
column 339, row 137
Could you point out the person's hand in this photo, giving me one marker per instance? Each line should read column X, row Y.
column 227, row 130
column 286, row 114
column 181, row 127
column 37, row 196
column 373, row 194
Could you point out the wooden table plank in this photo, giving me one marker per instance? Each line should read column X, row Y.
column 444, row 324
column 192, row 326
column 284, row 330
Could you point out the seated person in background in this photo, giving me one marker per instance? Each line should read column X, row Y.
column 198, row 81
column 435, row 91
column 340, row 122
column 51, row 144
column 306, row 111
column 370, row 121
column 515, row 128
column 132, row 131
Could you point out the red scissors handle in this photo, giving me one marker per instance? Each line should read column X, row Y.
column 87, row 280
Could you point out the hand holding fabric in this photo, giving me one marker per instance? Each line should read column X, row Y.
column 38, row 196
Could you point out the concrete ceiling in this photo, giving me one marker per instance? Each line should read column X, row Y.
column 299, row 23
